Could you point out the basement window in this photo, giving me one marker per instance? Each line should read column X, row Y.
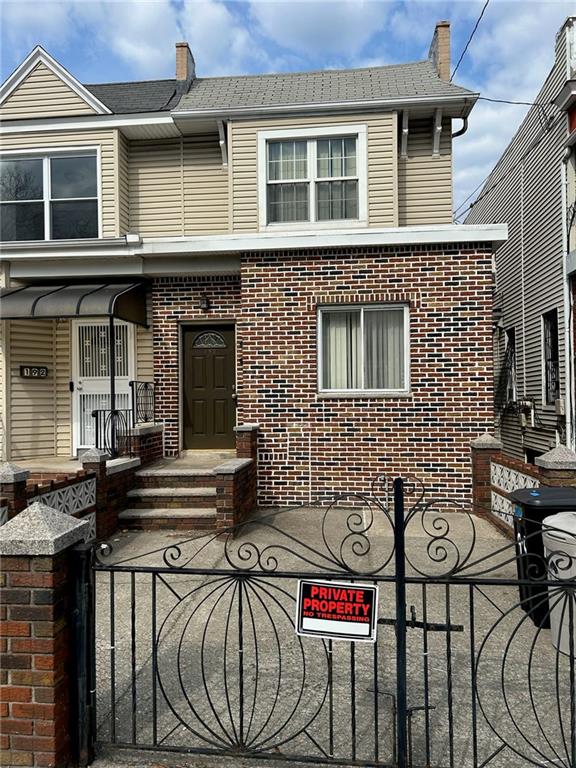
column 49, row 197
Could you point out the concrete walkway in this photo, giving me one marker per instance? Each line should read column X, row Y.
column 196, row 699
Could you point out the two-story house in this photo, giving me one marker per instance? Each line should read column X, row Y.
column 275, row 250
column 532, row 187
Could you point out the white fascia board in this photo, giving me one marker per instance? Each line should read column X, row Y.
column 59, row 124
column 495, row 234
column 467, row 100
column 37, row 56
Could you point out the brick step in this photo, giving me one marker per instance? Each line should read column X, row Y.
column 175, row 478
column 171, row 498
column 153, row 519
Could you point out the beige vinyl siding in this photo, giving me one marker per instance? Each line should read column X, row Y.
column 43, row 94
column 145, row 347
column 105, row 139
column 123, row 184
column 382, row 164
column 424, row 181
column 32, row 401
column 4, row 425
column 155, row 184
column 63, row 369
column 178, row 187
column 529, row 265
column 205, row 187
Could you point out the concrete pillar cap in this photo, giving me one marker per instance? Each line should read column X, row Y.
column 487, row 441
column 560, row 457
column 95, row 456
column 10, row 473
column 246, row 427
column 41, row 530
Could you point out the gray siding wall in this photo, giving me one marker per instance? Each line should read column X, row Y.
column 529, row 266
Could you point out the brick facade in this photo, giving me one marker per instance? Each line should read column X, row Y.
column 174, row 301
column 34, row 645
column 311, row 445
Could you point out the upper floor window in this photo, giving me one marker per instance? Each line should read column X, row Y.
column 53, row 197
column 313, row 176
column 551, row 357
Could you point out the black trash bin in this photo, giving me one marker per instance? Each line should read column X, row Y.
column 531, row 506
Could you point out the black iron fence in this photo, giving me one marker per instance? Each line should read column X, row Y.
column 196, row 648
column 113, row 431
column 142, row 395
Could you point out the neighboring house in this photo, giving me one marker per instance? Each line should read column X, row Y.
column 532, row 188
column 274, row 249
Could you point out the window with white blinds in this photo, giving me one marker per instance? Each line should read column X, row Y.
column 364, row 349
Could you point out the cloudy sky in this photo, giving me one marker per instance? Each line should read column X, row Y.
column 107, row 40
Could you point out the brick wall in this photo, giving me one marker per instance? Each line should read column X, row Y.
column 34, row 655
column 174, row 301
column 310, row 446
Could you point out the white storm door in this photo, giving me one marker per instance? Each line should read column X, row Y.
column 91, row 371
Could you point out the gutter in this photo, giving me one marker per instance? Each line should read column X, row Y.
column 467, row 101
column 568, row 308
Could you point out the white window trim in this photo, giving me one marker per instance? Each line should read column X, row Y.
column 363, row 393
column 332, row 131
column 42, row 153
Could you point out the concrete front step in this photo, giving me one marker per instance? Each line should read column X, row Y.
column 176, row 478
column 149, row 519
column 173, row 498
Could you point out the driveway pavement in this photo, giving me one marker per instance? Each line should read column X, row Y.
column 230, row 670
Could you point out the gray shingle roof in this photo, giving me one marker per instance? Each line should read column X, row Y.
column 140, row 96
column 395, row 82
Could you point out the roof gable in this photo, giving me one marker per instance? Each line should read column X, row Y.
column 41, row 87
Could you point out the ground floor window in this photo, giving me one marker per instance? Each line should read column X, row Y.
column 364, row 349
column 551, row 357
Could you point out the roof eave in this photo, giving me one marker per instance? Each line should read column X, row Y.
column 466, row 102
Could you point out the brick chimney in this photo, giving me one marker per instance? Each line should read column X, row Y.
column 439, row 53
column 185, row 66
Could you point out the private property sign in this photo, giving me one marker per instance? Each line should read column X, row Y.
column 339, row 610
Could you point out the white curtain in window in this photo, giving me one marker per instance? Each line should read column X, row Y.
column 384, row 349
column 341, row 350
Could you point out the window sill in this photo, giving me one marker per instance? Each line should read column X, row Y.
column 363, row 394
column 306, row 226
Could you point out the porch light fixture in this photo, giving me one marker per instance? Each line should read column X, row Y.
column 204, row 303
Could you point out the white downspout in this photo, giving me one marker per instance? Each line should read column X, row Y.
column 567, row 302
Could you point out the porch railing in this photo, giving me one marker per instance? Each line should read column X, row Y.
column 113, row 431
column 142, row 401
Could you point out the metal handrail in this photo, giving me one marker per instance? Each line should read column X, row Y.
column 113, row 432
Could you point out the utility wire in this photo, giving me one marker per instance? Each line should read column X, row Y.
column 470, row 39
column 537, row 140
column 522, row 103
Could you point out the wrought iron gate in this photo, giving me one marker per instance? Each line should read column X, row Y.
column 195, row 648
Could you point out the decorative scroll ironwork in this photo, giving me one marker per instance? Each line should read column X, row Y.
column 112, row 431
column 474, row 663
column 72, row 498
column 143, row 402
column 209, row 340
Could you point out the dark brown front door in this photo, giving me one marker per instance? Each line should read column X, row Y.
column 209, row 378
